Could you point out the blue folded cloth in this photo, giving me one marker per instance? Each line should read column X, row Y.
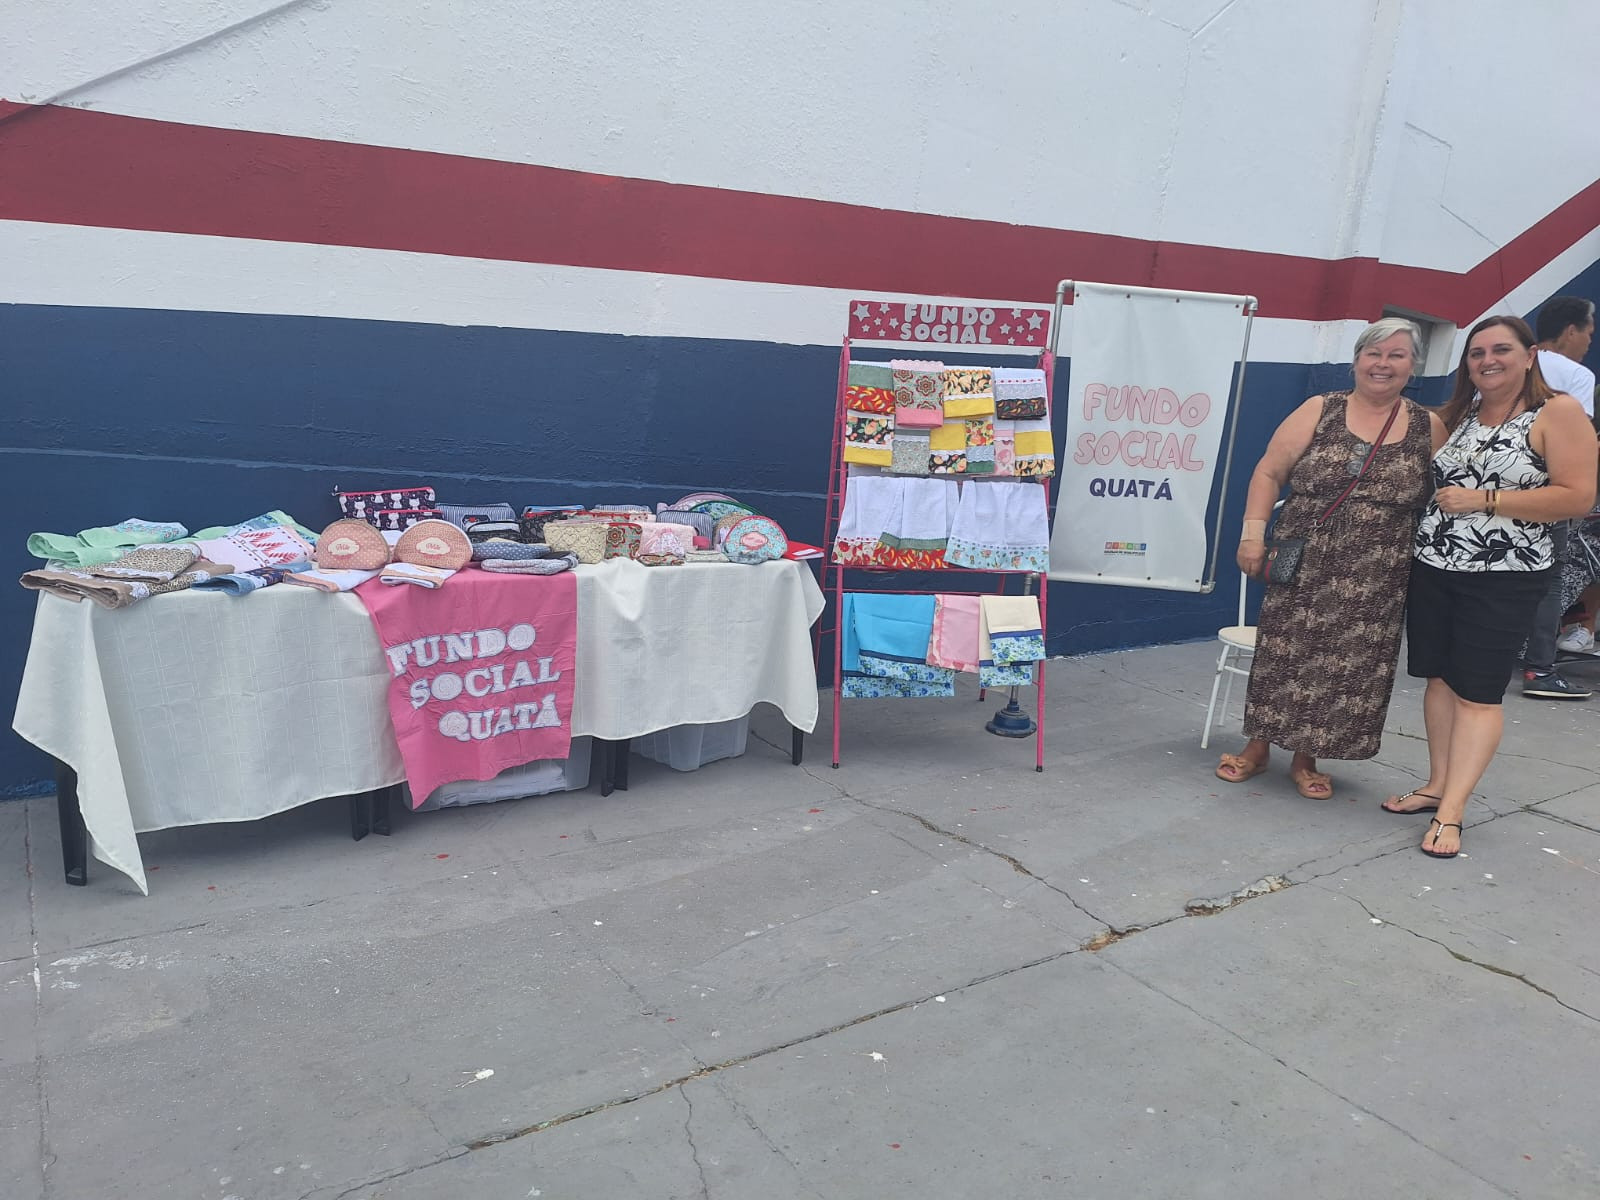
column 245, row 582
column 885, row 647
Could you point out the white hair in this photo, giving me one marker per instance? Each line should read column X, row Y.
column 1380, row 330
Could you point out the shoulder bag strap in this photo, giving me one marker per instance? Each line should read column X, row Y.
column 1371, row 454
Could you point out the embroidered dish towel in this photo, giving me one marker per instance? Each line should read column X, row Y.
column 1013, row 626
column 998, row 675
column 909, row 454
column 980, row 445
column 954, row 642
column 885, row 647
column 968, row 391
column 868, row 439
column 1019, row 393
column 1001, row 526
column 870, row 388
column 918, row 393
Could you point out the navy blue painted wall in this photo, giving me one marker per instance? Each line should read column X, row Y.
column 210, row 418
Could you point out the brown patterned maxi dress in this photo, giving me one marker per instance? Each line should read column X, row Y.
column 1326, row 645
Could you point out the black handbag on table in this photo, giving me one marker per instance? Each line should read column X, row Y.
column 1284, row 554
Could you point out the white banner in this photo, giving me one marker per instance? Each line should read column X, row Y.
column 1146, row 410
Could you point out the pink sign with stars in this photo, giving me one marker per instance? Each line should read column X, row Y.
column 958, row 324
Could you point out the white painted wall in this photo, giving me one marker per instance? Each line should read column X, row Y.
column 1425, row 132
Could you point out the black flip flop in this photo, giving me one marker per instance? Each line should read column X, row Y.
column 1411, row 812
column 1443, row 825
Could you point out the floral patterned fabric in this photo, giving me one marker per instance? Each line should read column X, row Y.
column 1486, row 456
column 968, row 391
column 918, row 392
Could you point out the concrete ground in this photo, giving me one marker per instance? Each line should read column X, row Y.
column 932, row 972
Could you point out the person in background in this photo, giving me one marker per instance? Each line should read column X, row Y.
column 1565, row 327
column 1326, row 644
column 1582, row 572
column 1519, row 458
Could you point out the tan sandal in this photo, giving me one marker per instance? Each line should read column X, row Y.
column 1241, row 767
column 1305, row 781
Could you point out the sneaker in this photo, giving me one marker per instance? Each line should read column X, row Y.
column 1576, row 640
column 1550, row 686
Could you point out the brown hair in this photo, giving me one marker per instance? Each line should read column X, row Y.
column 1535, row 391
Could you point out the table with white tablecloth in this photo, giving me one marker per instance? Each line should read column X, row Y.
column 200, row 707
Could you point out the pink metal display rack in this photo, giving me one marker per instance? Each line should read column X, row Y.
column 959, row 326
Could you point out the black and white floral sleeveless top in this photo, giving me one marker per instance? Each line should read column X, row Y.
column 1486, row 456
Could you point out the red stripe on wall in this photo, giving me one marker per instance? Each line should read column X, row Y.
column 75, row 167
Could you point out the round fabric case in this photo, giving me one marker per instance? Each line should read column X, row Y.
column 434, row 544
column 754, row 540
column 694, row 498
column 351, row 545
column 723, row 508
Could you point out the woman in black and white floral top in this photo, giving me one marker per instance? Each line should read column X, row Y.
column 1519, row 456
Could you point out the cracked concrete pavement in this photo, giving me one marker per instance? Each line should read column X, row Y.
column 930, row 970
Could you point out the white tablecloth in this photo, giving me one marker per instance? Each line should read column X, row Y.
column 202, row 707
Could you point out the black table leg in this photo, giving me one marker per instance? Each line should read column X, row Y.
column 380, row 808
column 797, row 746
column 607, row 753
column 74, row 836
column 621, row 773
column 360, row 815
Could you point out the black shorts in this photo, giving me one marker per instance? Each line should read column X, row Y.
column 1467, row 627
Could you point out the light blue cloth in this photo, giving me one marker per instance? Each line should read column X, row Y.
column 885, row 647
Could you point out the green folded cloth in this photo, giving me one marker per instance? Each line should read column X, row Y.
column 103, row 544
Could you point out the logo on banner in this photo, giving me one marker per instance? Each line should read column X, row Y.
column 1135, row 548
column 957, row 324
column 493, row 684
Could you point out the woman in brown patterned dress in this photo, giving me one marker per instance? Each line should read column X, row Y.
column 1326, row 644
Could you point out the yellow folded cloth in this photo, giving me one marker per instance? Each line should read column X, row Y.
column 869, row 456
column 968, row 391
column 950, row 436
column 1034, row 442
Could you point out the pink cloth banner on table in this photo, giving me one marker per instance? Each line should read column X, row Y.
column 481, row 672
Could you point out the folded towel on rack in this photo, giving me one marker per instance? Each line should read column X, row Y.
column 884, row 647
column 951, row 435
column 968, row 391
column 1001, row 525
column 1005, row 449
column 870, row 375
column 1013, row 627
column 1020, row 393
column 1035, row 448
column 868, row 439
column 992, row 674
column 947, row 462
column 869, row 400
column 918, row 392
column 923, row 518
column 980, row 445
column 910, row 455
column 954, row 643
